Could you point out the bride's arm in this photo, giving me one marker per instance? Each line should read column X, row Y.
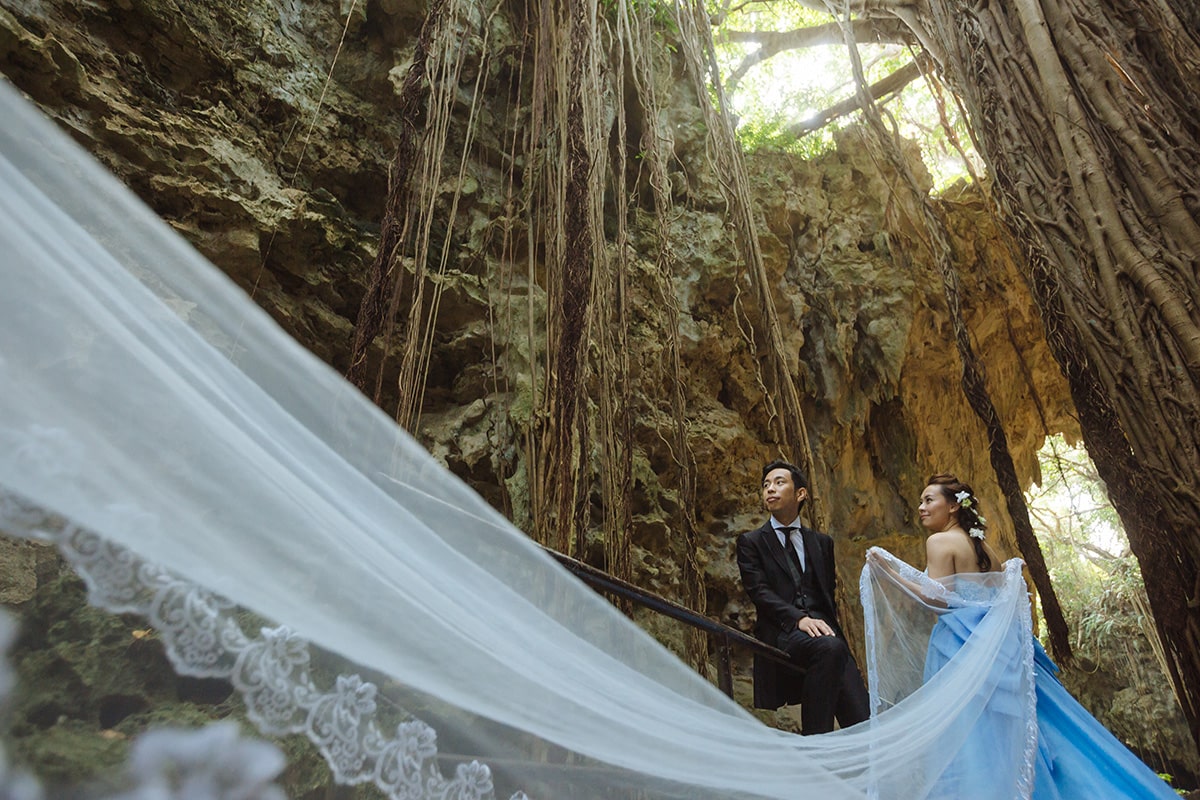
column 925, row 593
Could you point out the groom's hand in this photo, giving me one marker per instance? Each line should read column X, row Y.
column 814, row 627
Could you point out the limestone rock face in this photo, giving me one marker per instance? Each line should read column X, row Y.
column 262, row 132
column 224, row 118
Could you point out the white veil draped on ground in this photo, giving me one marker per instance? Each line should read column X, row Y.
column 197, row 466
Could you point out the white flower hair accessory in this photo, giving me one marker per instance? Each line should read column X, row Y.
column 964, row 499
column 977, row 533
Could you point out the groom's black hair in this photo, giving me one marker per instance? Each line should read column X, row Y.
column 798, row 479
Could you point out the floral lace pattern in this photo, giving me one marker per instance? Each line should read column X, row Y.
column 271, row 670
column 212, row 763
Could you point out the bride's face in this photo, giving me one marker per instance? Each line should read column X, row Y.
column 936, row 512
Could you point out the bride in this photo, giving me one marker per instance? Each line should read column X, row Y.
column 1023, row 726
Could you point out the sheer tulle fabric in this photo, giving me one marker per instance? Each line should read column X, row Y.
column 966, row 638
column 198, row 466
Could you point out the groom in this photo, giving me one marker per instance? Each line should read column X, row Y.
column 788, row 572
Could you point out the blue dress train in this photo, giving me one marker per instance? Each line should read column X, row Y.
column 1077, row 758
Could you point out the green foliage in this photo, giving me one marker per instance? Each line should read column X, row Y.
column 761, row 134
column 1096, row 577
column 1169, row 778
column 661, row 13
column 781, row 92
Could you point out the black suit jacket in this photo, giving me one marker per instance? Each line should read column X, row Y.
column 768, row 581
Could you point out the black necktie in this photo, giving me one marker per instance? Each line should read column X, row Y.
column 793, row 558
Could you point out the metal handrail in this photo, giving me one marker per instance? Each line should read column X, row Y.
column 725, row 636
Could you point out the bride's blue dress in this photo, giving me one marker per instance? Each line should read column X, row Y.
column 1076, row 759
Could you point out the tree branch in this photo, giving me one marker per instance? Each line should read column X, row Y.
column 881, row 88
column 772, row 43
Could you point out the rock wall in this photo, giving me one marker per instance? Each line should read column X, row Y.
column 262, row 131
column 223, row 121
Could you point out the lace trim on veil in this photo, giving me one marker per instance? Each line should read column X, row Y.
column 1025, row 779
column 270, row 670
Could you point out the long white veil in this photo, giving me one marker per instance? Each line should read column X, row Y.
column 198, row 466
column 963, row 642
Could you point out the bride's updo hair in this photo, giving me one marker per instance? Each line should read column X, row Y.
column 969, row 516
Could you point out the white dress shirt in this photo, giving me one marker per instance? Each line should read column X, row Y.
column 797, row 539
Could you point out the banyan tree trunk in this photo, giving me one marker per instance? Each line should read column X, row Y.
column 1088, row 115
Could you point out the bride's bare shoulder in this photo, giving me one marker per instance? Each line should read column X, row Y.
column 942, row 540
column 940, row 553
